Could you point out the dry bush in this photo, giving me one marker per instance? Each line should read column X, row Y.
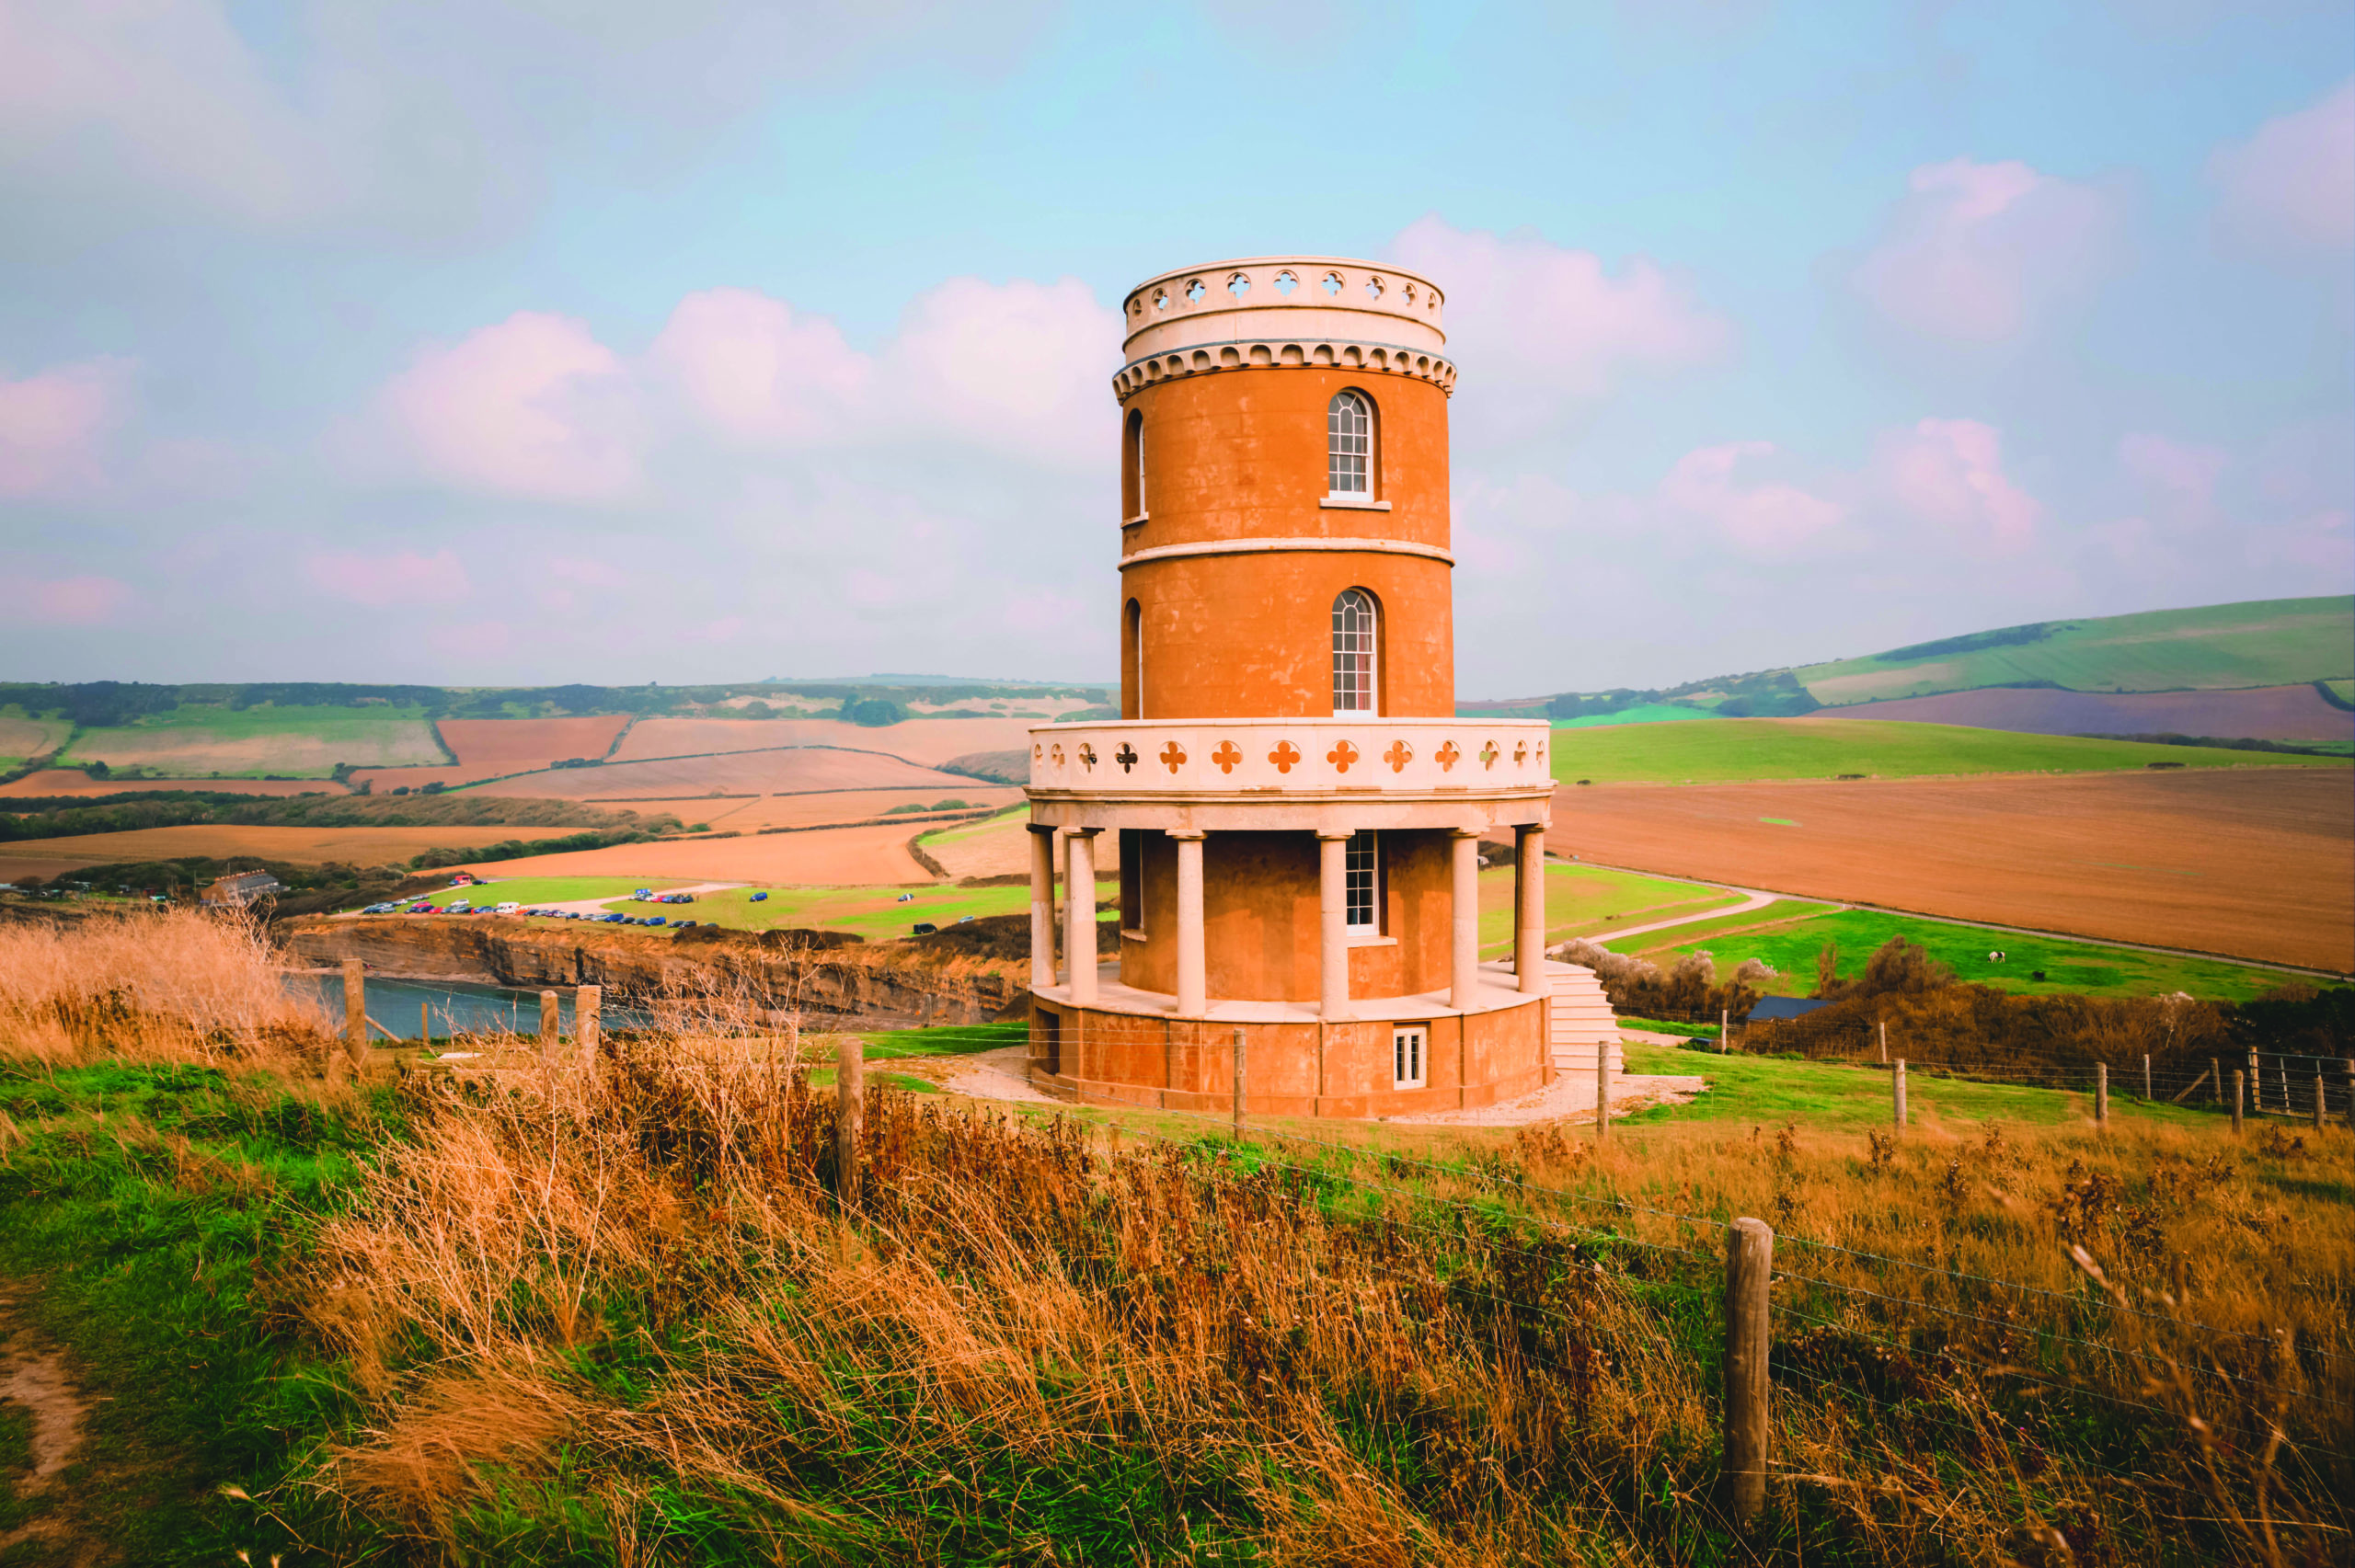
column 1316, row 1365
column 174, row 986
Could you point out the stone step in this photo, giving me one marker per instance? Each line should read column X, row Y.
column 1582, row 1022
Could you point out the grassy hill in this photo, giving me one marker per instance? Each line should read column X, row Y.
column 2266, row 642
column 1737, row 752
column 2262, row 643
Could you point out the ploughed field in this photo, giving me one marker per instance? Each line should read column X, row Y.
column 832, row 856
column 791, row 770
column 2265, row 713
column 304, row 846
column 930, row 741
column 494, row 748
column 2256, row 864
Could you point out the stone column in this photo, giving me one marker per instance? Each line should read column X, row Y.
column 1079, row 912
column 1463, row 988
column 1529, row 909
column 1043, row 906
column 1193, row 968
column 1333, row 907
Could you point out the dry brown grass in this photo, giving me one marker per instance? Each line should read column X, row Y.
column 163, row 986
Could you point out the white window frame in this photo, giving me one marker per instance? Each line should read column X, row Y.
column 1357, row 653
column 1362, row 883
column 1410, row 1047
column 1349, row 447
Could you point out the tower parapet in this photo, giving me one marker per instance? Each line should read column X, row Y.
column 1272, row 312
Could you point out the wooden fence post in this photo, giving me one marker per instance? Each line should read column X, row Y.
column 1240, row 1063
column 2146, row 1077
column 2350, row 1093
column 850, row 1100
column 2318, row 1108
column 1724, row 1030
column 2101, row 1093
column 587, row 1002
column 548, row 1024
column 1884, row 1042
column 1897, row 1091
column 424, row 1023
column 355, row 1011
column 2256, row 1083
column 1602, row 1091
column 2215, row 1082
column 2240, row 1095
column 1750, row 1269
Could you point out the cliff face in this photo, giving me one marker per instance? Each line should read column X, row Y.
column 885, row 979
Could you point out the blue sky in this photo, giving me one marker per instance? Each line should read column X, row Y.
column 479, row 344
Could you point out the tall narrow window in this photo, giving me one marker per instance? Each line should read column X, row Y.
column 1136, row 464
column 1354, row 651
column 1349, row 444
column 1406, row 1041
column 1136, row 658
column 1360, row 882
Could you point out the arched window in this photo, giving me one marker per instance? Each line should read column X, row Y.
column 1136, row 658
column 1349, row 445
column 1133, row 467
column 1353, row 652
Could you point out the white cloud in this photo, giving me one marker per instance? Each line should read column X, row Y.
column 402, row 576
column 1949, row 472
column 86, row 601
column 1539, row 327
column 1976, row 253
column 54, row 425
column 1759, row 517
column 533, row 406
column 2292, row 184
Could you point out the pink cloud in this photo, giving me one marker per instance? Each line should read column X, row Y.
column 1525, row 313
column 2179, row 480
column 54, row 427
column 531, row 407
column 1950, row 473
column 1760, row 517
column 401, row 578
column 78, row 601
column 1976, row 251
column 2292, row 183
column 1021, row 366
column 758, row 372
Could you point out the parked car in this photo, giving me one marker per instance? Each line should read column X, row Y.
column 682, row 926
column 641, row 895
column 925, row 928
column 905, row 899
column 510, row 908
column 617, row 919
column 760, row 898
column 460, row 906
column 656, row 919
column 422, row 910
column 678, row 898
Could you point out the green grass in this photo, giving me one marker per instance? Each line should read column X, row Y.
column 1645, row 712
column 947, row 1040
column 153, row 1269
column 2273, row 642
column 1701, row 933
column 1736, row 750
column 2083, row 969
column 2345, row 690
column 1583, row 900
column 871, row 912
column 1771, row 1091
column 291, row 742
column 965, row 831
column 561, row 889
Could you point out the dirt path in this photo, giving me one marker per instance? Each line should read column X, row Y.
column 1752, row 898
column 33, row 1509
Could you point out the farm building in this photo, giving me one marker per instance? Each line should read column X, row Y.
column 243, row 890
column 1302, row 809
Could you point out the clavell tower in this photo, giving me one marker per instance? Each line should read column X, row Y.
column 1302, row 809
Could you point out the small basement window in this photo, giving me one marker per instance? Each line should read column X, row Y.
column 1408, row 1042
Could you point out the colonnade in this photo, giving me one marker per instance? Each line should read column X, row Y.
column 1332, row 883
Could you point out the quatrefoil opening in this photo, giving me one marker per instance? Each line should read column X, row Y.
column 1173, row 756
column 1226, row 756
column 1448, row 756
column 1086, row 755
column 1126, row 755
column 1342, row 756
column 1489, row 754
column 1398, row 756
column 1285, row 756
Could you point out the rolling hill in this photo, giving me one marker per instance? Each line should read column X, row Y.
column 2268, row 671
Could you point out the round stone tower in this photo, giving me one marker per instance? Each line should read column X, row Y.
column 1304, row 809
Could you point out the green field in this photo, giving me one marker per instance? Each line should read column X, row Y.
column 871, row 912
column 2271, row 642
column 1737, row 751
column 1643, row 713
column 1821, row 1096
column 2084, row 969
column 1583, row 900
column 198, row 740
column 559, row 889
column 22, row 738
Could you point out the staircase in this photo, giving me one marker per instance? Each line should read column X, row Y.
column 1583, row 1022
